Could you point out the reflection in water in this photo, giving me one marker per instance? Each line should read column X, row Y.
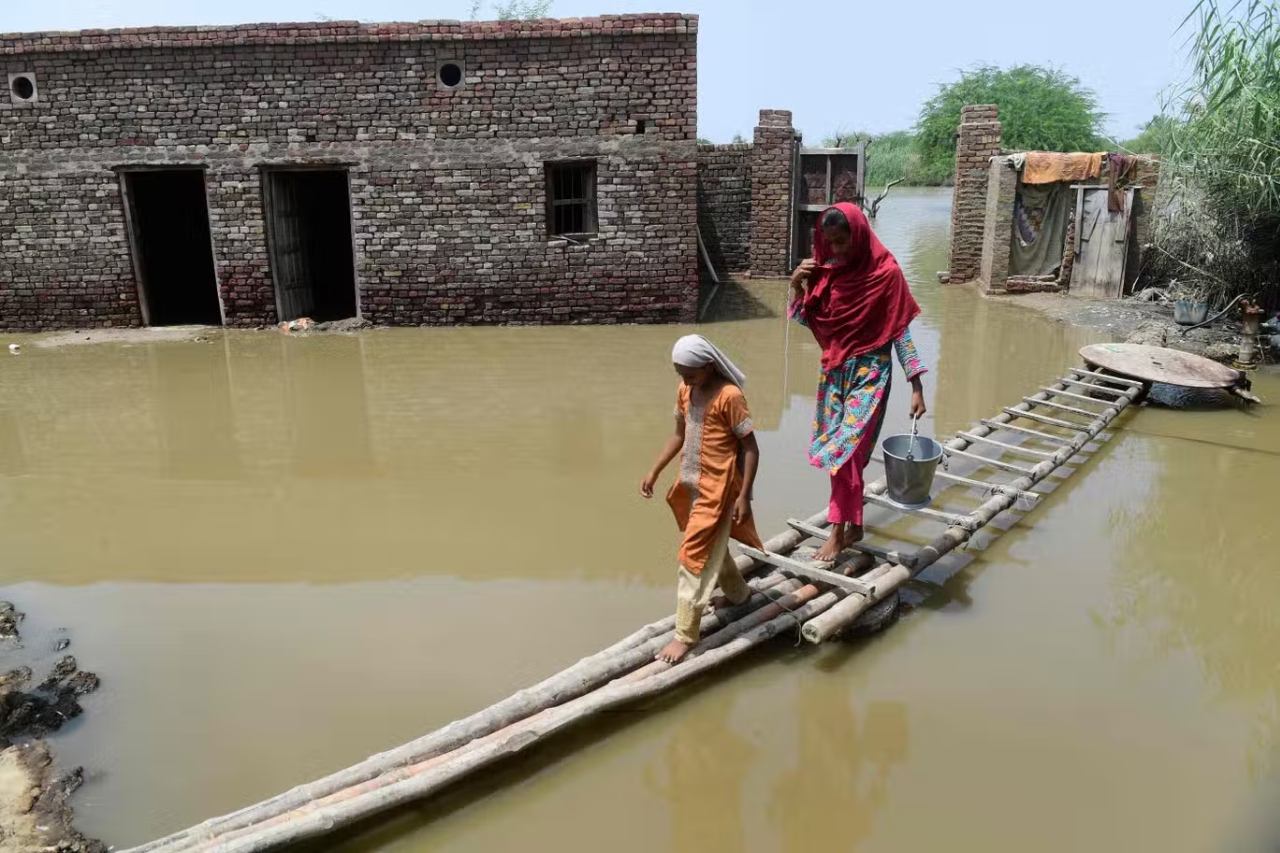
column 842, row 766
column 705, row 814
column 371, row 535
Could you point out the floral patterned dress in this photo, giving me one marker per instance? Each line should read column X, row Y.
column 850, row 398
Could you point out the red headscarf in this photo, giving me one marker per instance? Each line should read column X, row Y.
column 856, row 305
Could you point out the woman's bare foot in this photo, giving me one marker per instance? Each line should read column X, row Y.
column 674, row 652
column 719, row 602
column 853, row 533
column 835, row 544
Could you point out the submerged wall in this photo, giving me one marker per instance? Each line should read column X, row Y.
column 448, row 185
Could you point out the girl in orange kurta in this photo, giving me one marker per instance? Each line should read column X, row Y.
column 711, row 497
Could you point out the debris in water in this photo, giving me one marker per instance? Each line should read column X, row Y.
column 34, row 810
column 9, row 621
column 15, row 348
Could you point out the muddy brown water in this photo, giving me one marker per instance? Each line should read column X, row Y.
column 284, row 554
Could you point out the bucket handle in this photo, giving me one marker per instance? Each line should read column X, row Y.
column 915, row 431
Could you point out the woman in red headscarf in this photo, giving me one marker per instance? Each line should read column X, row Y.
column 854, row 298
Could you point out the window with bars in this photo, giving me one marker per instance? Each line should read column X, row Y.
column 571, row 198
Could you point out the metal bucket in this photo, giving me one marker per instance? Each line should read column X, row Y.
column 1188, row 313
column 910, row 480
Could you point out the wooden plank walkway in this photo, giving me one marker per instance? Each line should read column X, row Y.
column 788, row 592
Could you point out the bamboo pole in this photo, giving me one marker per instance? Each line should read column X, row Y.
column 349, row 805
column 631, row 652
column 1016, row 448
column 1043, row 436
column 1075, row 410
column 834, row 620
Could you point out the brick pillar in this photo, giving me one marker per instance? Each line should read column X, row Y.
column 772, row 166
column 978, row 142
column 997, row 228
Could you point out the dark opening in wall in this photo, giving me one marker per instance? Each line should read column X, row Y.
column 450, row 75
column 641, row 126
column 22, row 88
column 308, row 213
column 571, row 198
column 172, row 247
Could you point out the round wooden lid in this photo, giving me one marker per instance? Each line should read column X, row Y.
column 1159, row 364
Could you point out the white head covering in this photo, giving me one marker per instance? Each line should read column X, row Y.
column 697, row 351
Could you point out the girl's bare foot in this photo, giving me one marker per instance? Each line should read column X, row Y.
column 835, row 544
column 855, row 533
column 674, row 651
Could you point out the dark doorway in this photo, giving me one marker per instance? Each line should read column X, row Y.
column 309, row 232
column 172, row 247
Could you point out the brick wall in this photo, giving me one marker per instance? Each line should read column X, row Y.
column 772, row 176
column 977, row 143
column 724, row 204
column 447, row 186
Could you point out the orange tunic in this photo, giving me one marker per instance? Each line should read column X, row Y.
column 710, row 478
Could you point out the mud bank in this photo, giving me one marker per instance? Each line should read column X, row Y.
column 1136, row 321
column 35, row 813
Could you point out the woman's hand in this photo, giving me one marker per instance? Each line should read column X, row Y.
column 802, row 272
column 918, row 408
column 741, row 508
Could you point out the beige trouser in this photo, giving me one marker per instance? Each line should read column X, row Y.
column 693, row 592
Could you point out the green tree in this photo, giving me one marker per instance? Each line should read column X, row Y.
column 1154, row 138
column 1040, row 109
column 527, row 9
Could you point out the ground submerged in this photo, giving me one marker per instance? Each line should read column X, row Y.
column 35, row 813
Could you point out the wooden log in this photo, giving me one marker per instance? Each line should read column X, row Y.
column 412, row 782
column 885, row 554
column 1014, row 447
column 1032, row 416
column 1081, row 397
column 1075, row 410
column 987, row 460
column 807, row 571
column 947, row 518
column 833, row 621
column 1092, row 386
column 990, row 487
column 1107, row 377
column 631, row 652
column 1044, row 436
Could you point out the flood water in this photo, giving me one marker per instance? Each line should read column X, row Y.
column 284, row 554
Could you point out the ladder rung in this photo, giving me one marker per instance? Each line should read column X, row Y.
column 885, row 554
column 1032, row 416
column 1039, row 454
column 1060, row 407
column 1093, row 386
column 995, row 487
column 1107, row 377
column 994, row 463
column 1031, row 432
column 807, row 571
column 1082, row 398
column 948, row 518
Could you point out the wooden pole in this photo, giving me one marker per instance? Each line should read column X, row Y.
column 834, row 620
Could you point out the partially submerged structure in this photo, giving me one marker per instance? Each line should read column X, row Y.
column 1035, row 221
column 523, row 171
column 426, row 173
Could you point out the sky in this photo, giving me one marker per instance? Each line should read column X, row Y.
column 848, row 65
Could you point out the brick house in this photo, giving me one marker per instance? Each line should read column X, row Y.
column 432, row 173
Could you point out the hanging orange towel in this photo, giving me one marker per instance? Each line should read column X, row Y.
column 1047, row 167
